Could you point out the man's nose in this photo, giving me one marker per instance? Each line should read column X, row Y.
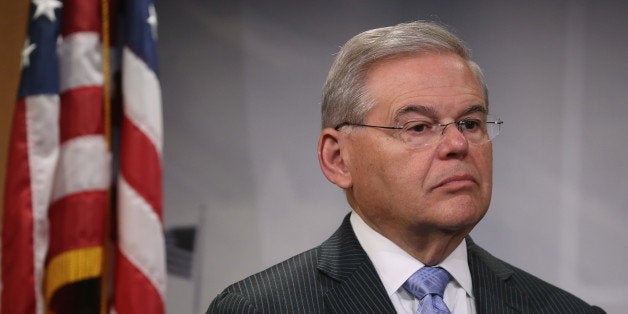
column 453, row 143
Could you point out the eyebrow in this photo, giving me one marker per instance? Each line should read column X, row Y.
column 474, row 109
column 433, row 113
column 420, row 109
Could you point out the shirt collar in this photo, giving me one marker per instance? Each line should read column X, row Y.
column 394, row 265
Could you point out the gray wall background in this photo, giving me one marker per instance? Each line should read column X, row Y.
column 241, row 85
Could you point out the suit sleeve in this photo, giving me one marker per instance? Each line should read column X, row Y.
column 230, row 302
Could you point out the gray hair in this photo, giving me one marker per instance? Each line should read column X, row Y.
column 345, row 98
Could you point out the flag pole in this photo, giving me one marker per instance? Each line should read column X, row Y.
column 106, row 269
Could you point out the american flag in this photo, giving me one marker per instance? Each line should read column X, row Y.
column 55, row 252
column 140, row 263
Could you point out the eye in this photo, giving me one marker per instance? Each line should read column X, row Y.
column 417, row 127
column 470, row 125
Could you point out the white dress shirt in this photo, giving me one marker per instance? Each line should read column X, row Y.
column 394, row 266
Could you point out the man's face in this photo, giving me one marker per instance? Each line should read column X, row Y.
column 444, row 186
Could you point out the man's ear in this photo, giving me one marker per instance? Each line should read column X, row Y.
column 332, row 158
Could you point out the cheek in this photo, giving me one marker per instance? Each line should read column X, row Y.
column 484, row 164
column 487, row 165
column 385, row 170
column 365, row 162
column 407, row 173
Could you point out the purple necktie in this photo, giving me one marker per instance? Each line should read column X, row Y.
column 428, row 284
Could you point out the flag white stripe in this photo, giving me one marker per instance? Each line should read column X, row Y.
column 141, row 238
column 142, row 97
column 42, row 116
column 80, row 61
column 84, row 164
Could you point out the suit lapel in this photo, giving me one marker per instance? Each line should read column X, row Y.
column 491, row 288
column 355, row 286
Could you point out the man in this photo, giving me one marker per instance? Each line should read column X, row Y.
column 407, row 135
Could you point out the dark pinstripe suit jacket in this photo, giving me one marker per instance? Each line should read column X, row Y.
column 338, row 276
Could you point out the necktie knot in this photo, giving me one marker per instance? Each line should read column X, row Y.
column 430, row 282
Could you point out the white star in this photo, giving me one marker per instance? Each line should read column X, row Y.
column 26, row 52
column 47, row 8
column 152, row 20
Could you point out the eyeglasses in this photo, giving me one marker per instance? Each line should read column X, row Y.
column 422, row 133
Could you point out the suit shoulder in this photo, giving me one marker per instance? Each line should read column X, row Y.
column 293, row 284
column 542, row 296
column 548, row 296
column 228, row 302
column 290, row 272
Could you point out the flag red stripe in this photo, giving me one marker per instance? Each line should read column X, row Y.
column 18, row 294
column 80, row 16
column 81, row 112
column 77, row 221
column 141, row 165
column 138, row 293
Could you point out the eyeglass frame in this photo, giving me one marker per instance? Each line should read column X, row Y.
column 491, row 120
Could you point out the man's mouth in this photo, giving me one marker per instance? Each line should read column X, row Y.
column 456, row 182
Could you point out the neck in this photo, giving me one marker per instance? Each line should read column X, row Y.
column 429, row 248
column 425, row 243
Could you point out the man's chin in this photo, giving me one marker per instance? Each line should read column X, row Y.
column 455, row 219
